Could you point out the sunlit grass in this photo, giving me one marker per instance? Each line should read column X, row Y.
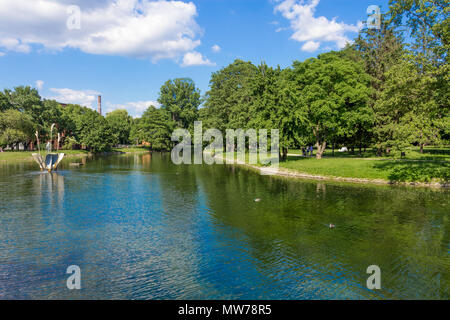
column 26, row 155
column 392, row 170
column 430, row 153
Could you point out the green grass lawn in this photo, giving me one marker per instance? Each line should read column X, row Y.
column 132, row 149
column 431, row 166
column 26, row 155
column 392, row 170
column 430, row 153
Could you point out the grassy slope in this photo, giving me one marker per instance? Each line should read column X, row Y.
column 432, row 165
column 430, row 153
column 392, row 170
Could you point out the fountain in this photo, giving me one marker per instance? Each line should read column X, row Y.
column 51, row 160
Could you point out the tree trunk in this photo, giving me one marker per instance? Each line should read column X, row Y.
column 379, row 152
column 320, row 149
column 421, row 148
column 285, row 152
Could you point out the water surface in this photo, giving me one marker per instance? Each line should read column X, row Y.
column 140, row 227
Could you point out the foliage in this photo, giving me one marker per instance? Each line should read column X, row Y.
column 181, row 99
column 154, row 127
column 15, row 127
column 94, row 132
column 333, row 92
column 120, row 121
column 228, row 100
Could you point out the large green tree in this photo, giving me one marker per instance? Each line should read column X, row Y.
column 273, row 105
column 120, row 121
column 331, row 89
column 380, row 50
column 181, row 99
column 154, row 127
column 95, row 133
column 228, row 100
column 15, row 127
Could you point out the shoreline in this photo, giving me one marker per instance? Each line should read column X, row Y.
column 28, row 157
column 289, row 173
column 280, row 172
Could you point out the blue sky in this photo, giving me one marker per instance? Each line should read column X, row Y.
column 126, row 49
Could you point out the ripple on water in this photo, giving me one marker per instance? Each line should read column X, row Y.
column 152, row 230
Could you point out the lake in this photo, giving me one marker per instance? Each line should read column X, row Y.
column 140, row 227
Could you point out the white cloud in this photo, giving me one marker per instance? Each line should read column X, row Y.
column 195, row 59
column 88, row 98
column 215, row 48
column 85, row 98
column 310, row 29
column 311, row 46
column 2, row 54
column 281, row 29
column 135, row 109
column 39, row 84
column 12, row 44
column 132, row 28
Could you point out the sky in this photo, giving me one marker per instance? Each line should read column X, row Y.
column 124, row 50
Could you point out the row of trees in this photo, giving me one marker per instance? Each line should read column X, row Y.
column 390, row 89
column 382, row 91
column 24, row 117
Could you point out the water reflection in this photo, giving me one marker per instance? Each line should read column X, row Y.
column 142, row 228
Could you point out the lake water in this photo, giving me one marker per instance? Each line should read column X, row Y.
column 140, row 227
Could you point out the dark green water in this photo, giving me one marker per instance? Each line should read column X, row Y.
column 140, row 227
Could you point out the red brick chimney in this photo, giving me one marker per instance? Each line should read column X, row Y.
column 100, row 104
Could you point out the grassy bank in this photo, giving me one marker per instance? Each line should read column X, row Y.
column 433, row 166
column 390, row 170
column 26, row 155
column 429, row 153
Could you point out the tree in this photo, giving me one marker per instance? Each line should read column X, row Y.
column 86, row 127
column 427, row 23
column 94, row 132
column 419, row 85
column 273, row 105
column 155, row 127
column 227, row 101
column 120, row 121
column 181, row 99
column 4, row 102
column 26, row 100
column 330, row 88
column 15, row 127
column 380, row 50
column 408, row 102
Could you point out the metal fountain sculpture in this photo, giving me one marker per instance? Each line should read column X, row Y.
column 51, row 160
